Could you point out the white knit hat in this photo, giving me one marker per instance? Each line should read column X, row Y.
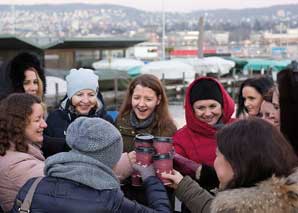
column 78, row 80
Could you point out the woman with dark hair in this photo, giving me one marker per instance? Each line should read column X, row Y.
column 21, row 135
column 144, row 110
column 27, row 75
column 256, row 168
column 288, row 97
column 251, row 94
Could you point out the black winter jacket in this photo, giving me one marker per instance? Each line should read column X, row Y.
column 58, row 121
column 62, row 195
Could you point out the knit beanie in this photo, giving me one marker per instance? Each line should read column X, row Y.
column 78, row 80
column 205, row 89
column 96, row 138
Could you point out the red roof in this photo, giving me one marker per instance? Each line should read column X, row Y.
column 190, row 52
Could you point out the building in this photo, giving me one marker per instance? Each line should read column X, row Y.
column 68, row 53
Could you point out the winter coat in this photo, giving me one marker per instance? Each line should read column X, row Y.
column 196, row 140
column 59, row 120
column 128, row 132
column 54, row 135
column 5, row 82
column 15, row 169
column 62, row 195
column 272, row 195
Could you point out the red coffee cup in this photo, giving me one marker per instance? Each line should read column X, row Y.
column 136, row 179
column 144, row 155
column 163, row 163
column 143, row 140
column 163, row 145
column 144, row 158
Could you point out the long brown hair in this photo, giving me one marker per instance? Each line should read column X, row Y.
column 256, row 150
column 15, row 111
column 162, row 115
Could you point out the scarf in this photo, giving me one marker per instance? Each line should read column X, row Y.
column 82, row 169
column 143, row 124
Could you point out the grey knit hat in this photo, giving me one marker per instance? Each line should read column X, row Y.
column 80, row 79
column 95, row 138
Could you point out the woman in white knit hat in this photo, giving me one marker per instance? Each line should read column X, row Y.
column 83, row 99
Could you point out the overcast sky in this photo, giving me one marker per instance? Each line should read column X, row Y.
column 170, row 5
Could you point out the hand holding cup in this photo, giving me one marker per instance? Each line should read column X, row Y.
column 175, row 177
column 145, row 171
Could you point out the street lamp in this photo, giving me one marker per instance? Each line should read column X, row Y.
column 163, row 30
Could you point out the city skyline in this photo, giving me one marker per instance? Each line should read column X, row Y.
column 173, row 5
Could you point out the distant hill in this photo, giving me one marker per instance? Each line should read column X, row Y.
column 108, row 19
column 67, row 7
column 254, row 13
column 234, row 14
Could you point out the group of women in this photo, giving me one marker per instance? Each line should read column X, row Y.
column 229, row 153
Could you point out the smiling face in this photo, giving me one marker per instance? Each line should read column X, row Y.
column 30, row 83
column 144, row 101
column 223, row 168
column 36, row 125
column 252, row 100
column 208, row 111
column 83, row 101
column 270, row 113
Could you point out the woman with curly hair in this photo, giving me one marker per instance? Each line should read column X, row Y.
column 21, row 135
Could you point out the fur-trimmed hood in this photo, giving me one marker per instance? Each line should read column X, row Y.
column 273, row 195
column 17, row 67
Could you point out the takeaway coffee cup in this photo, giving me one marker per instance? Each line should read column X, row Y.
column 163, row 163
column 144, row 155
column 144, row 158
column 143, row 140
column 136, row 179
column 163, row 145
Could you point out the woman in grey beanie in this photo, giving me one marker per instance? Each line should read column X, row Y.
column 82, row 180
column 83, row 99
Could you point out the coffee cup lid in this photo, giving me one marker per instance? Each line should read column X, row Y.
column 162, row 156
column 144, row 137
column 164, row 139
column 144, row 149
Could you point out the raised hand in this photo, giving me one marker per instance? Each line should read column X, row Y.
column 145, row 171
column 175, row 177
